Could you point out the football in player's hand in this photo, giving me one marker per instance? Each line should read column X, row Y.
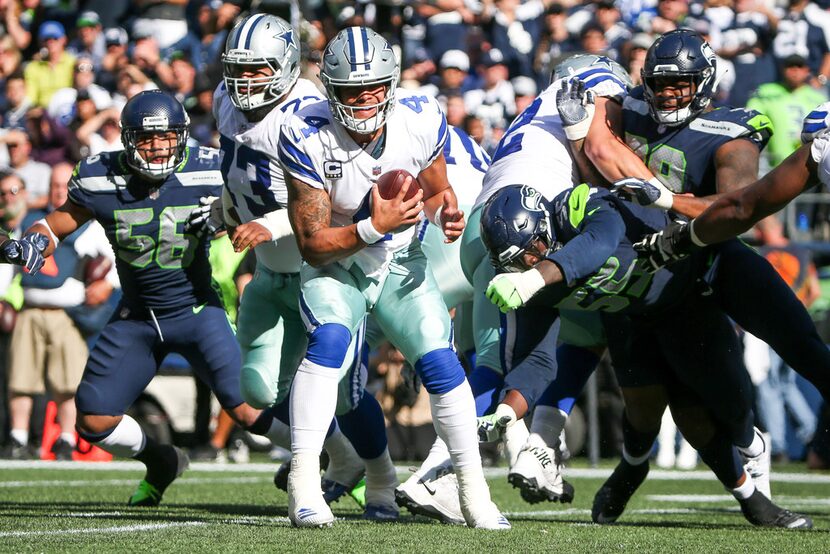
column 8, row 317
column 391, row 182
column 96, row 269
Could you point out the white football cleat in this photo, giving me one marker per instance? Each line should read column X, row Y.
column 538, row 474
column 489, row 519
column 758, row 467
column 434, row 496
column 306, row 506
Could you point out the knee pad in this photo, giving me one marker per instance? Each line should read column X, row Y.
column 256, row 390
column 440, row 371
column 328, row 345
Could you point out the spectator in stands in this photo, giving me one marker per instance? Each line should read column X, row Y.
column 10, row 58
column 52, row 143
column 17, row 102
column 184, row 78
column 670, row 15
column 456, row 112
column 147, row 57
column 803, row 30
column 47, row 350
column 115, row 59
column 12, row 212
column 525, row 92
column 55, row 70
column 515, row 28
column 447, row 24
column 34, row 174
column 608, row 17
column 495, row 100
column 111, row 12
column 99, row 133
column 61, row 106
column 592, row 40
column 163, row 20
column 420, row 71
column 453, row 76
column 90, row 42
column 635, row 56
column 555, row 42
column 786, row 103
column 202, row 122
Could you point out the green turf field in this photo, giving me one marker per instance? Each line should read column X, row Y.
column 49, row 507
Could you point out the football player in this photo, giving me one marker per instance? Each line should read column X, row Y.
column 695, row 149
column 261, row 88
column 143, row 195
column 362, row 256
column 576, row 252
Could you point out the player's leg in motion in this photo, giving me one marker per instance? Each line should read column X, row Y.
column 333, row 307
column 412, row 314
column 272, row 337
column 780, row 320
column 121, row 365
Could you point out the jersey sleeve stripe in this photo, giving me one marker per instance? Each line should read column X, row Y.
column 442, row 138
column 288, row 157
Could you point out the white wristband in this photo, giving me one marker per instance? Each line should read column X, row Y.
column 437, row 218
column 277, row 223
column 42, row 221
column 529, row 283
column 693, row 236
column 367, row 232
column 666, row 198
column 505, row 410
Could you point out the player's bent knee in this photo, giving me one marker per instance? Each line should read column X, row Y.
column 440, row 371
column 256, row 389
column 94, row 428
column 328, row 345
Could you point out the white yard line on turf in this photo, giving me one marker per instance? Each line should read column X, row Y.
column 714, row 498
column 580, row 512
column 119, row 529
column 576, row 473
column 87, row 482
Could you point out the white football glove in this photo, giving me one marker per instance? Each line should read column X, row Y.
column 576, row 108
column 207, row 218
column 651, row 193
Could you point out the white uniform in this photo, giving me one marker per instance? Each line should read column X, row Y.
column 466, row 164
column 320, row 152
column 820, row 152
column 254, row 176
column 534, row 150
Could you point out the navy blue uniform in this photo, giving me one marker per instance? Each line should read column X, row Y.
column 168, row 304
column 683, row 157
column 744, row 284
column 648, row 341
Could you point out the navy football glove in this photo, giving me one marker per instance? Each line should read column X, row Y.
column 669, row 245
column 26, row 252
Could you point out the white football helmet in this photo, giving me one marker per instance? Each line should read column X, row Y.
column 256, row 41
column 357, row 57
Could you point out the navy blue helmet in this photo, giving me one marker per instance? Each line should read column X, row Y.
column 682, row 55
column 154, row 113
column 512, row 220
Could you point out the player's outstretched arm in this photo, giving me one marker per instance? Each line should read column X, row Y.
column 309, row 210
column 440, row 202
column 59, row 224
column 737, row 211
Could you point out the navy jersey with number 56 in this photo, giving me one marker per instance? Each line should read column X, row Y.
column 683, row 157
column 160, row 266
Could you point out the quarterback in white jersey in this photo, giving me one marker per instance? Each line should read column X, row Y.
column 362, row 256
column 261, row 88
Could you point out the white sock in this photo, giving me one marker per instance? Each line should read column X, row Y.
column 69, row 438
column 515, row 437
column 744, row 491
column 313, row 400
column 635, row 461
column 279, row 434
column 453, row 415
column 21, row 436
column 439, row 456
column 381, row 480
column 126, row 440
column 548, row 422
column 755, row 448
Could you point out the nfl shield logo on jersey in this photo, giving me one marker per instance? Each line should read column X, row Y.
column 376, row 171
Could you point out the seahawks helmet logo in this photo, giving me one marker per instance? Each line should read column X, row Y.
column 531, row 199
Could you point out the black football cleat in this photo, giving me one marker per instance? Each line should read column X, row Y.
column 614, row 494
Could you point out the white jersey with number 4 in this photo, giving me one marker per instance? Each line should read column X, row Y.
column 317, row 150
column 252, row 170
column 534, row 150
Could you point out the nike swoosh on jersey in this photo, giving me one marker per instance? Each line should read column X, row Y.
column 197, row 309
